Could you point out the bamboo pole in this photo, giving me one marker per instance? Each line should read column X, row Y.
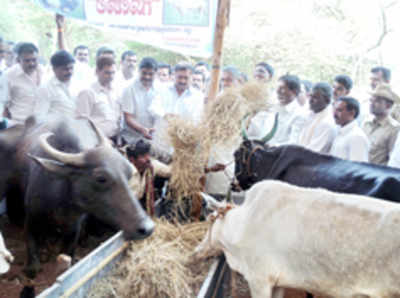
column 220, row 24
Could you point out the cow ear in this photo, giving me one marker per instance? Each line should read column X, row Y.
column 212, row 203
column 54, row 167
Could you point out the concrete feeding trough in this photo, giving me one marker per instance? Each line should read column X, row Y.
column 76, row 281
column 217, row 282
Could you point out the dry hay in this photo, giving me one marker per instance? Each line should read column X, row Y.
column 257, row 96
column 220, row 126
column 223, row 115
column 159, row 266
column 190, row 156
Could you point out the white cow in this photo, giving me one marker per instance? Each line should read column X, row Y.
column 5, row 257
column 334, row 244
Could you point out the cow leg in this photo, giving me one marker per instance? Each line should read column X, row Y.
column 71, row 236
column 278, row 293
column 15, row 205
column 33, row 262
column 260, row 289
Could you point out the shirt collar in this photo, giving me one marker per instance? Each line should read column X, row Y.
column 383, row 122
column 19, row 71
column 289, row 108
column 139, row 84
column 323, row 113
column 135, row 172
column 185, row 93
column 343, row 130
column 101, row 88
column 57, row 82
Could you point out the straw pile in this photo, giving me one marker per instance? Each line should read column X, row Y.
column 257, row 96
column 222, row 117
column 220, row 126
column 159, row 266
column 190, row 156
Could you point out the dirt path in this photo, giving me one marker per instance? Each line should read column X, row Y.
column 13, row 281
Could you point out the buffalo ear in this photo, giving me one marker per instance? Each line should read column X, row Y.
column 212, row 203
column 54, row 167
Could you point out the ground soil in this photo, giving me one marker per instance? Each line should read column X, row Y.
column 13, row 281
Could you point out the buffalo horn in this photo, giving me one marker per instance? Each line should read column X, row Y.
column 103, row 141
column 271, row 134
column 244, row 132
column 74, row 159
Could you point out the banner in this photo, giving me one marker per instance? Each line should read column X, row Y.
column 182, row 26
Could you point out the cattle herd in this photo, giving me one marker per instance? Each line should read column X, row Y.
column 309, row 221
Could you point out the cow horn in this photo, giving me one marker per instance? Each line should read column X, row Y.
column 103, row 141
column 212, row 203
column 271, row 134
column 74, row 159
column 244, row 132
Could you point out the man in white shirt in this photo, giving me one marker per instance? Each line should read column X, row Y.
column 230, row 77
column 263, row 72
column 126, row 75
column 56, row 96
column 81, row 54
column 136, row 101
column 84, row 75
column 341, row 86
column 180, row 98
column 351, row 142
column 203, row 67
column 24, row 80
column 100, row 102
column 319, row 129
column 291, row 114
column 164, row 72
column 199, row 81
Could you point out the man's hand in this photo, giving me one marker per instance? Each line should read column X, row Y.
column 147, row 133
column 60, row 21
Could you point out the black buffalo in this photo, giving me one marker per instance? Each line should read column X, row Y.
column 63, row 169
column 256, row 161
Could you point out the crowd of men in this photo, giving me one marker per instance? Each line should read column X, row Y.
column 125, row 101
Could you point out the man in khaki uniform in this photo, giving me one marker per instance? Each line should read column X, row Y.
column 382, row 129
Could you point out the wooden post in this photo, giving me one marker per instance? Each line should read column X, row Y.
column 220, row 24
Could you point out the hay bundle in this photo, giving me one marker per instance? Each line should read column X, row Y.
column 159, row 266
column 220, row 127
column 257, row 96
column 223, row 115
column 190, row 156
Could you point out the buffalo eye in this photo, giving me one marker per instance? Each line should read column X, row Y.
column 247, row 143
column 101, row 179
